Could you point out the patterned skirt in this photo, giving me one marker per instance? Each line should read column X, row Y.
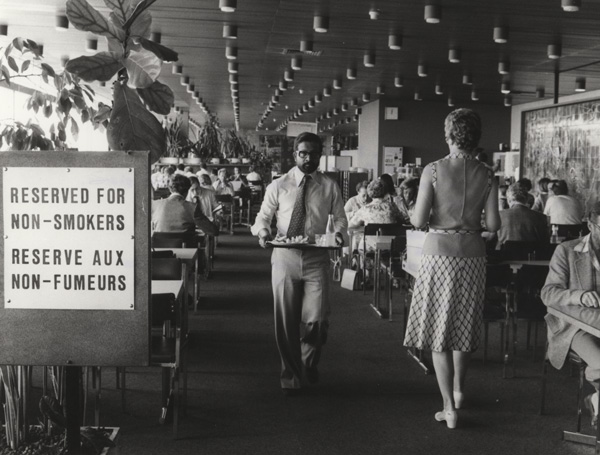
column 447, row 304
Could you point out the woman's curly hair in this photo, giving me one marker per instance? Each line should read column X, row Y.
column 463, row 129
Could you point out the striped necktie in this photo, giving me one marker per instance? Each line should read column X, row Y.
column 298, row 218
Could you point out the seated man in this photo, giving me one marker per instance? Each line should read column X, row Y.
column 253, row 177
column 203, row 197
column 175, row 214
column 574, row 274
column 519, row 222
column 222, row 186
column 562, row 208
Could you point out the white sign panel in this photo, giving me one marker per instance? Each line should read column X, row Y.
column 69, row 238
column 392, row 158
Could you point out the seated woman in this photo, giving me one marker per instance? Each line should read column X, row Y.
column 222, row 186
column 379, row 211
column 407, row 198
column 390, row 188
column 358, row 201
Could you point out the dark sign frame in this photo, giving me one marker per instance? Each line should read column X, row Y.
column 83, row 337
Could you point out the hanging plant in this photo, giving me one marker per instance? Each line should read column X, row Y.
column 137, row 61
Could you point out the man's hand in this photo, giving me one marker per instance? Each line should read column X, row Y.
column 591, row 299
column 339, row 239
column 264, row 236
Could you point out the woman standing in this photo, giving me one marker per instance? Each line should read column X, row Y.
column 446, row 311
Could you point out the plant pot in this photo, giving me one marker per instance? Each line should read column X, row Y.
column 169, row 160
column 234, row 160
column 215, row 160
column 245, row 160
column 195, row 161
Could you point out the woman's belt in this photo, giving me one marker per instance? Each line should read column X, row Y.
column 454, row 231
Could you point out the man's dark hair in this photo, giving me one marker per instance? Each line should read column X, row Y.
column 543, row 184
column 560, row 188
column 180, row 184
column 203, row 165
column 180, row 167
column 526, row 183
column 311, row 138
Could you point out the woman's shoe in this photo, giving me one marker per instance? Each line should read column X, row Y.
column 451, row 417
column 459, row 399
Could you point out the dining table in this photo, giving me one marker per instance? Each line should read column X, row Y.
column 192, row 260
column 588, row 320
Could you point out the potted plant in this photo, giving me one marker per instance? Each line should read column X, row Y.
column 209, row 140
column 236, row 147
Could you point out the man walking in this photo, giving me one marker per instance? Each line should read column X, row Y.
column 302, row 201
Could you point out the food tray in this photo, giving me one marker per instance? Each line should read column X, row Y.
column 302, row 246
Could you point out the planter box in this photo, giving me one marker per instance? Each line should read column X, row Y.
column 169, row 160
column 245, row 160
column 195, row 161
column 215, row 160
column 234, row 160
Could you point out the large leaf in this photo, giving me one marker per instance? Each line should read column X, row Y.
column 85, row 17
column 25, row 65
column 121, row 9
column 143, row 67
column 139, row 9
column 5, row 74
column 48, row 69
column 103, row 113
column 74, row 129
column 100, row 67
column 18, row 43
column 141, row 26
column 162, row 52
column 132, row 126
column 13, row 64
column 158, row 97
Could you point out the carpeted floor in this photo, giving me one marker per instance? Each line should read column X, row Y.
column 372, row 397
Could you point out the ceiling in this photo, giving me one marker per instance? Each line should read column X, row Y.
column 194, row 28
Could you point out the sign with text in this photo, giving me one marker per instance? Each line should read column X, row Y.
column 68, row 238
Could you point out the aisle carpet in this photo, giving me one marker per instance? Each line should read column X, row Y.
column 372, row 397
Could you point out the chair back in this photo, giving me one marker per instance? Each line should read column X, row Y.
column 224, row 198
column 572, row 231
column 161, row 193
column 162, row 309
column 498, row 275
column 397, row 230
column 174, row 239
column 519, row 250
column 166, row 269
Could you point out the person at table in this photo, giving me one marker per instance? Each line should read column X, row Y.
column 380, row 210
column 446, row 311
column 408, row 189
column 360, row 200
column 175, row 214
column 526, row 183
column 502, row 201
column 561, row 207
column 542, row 196
column 237, row 176
column 519, row 222
column 222, row 186
column 157, row 177
column 202, row 171
column 180, row 170
column 390, row 188
column 253, row 177
column 203, row 197
column 302, row 201
column 573, row 281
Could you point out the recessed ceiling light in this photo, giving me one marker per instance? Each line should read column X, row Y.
column 231, row 52
column 306, row 45
column 540, row 92
column 554, row 51
column 580, row 84
column 571, row 5
column 91, row 45
column 374, row 14
column 296, row 63
column 422, row 70
column 288, row 75
column 337, row 83
column 454, row 55
column 230, row 31
column 228, row 6
column 395, row 41
column 321, row 24
column 432, row 14
column 500, row 34
column 508, row 101
column 62, row 22
column 366, row 97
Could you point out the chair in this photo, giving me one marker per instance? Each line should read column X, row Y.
column 572, row 231
column 499, row 281
column 226, row 200
column 374, row 229
column 575, row 361
column 392, row 265
column 521, row 250
column 528, row 302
